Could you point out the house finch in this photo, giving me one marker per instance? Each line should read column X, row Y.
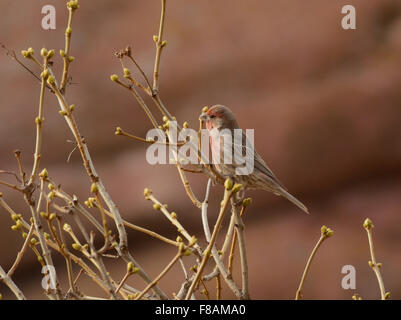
column 218, row 118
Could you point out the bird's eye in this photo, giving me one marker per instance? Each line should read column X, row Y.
column 212, row 116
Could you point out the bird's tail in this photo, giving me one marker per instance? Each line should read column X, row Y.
column 294, row 200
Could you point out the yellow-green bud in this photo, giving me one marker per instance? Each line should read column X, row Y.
column 52, row 216
column 76, row 246
column 38, row 120
column 51, row 80
column 44, row 215
column 94, row 188
column 228, row 184
column 237, row 187
column 387, row 295
column 147, row 192
column 46, row 235
column 114, row 77
column 18, row 224
column 15, row 217
column 155, row 38
column 50, row 54
column 156, row 206
column 71, row 59
column 24, row 235
column 368, row 224
column 118, row 131
column 72, row 107
column 178, row 239
column 329, row 233
column 185, row 125
column 326, row 232
column 62, row 53
column 246, row 202
column 205, row 109
column 68, row 31
column 33, row 241
column 14, row 227
column 130, row 267
column 73, row 5
column 173, row 215
column 44, row 174
column 43, row 52
column 45, row 74
column 193, row 241
column 127, row 72
column 164, row 43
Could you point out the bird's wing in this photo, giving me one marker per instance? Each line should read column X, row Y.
column 259, row 163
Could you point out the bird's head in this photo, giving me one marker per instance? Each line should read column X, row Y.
column 219, row 117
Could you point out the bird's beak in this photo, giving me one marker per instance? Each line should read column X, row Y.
column 203, row 117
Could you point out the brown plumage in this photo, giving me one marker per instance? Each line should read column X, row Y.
column 218, row 120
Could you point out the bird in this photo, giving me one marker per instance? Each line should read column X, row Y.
column 220, row 121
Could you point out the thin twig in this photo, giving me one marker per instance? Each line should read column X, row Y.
column 39, row 120
column 10, row 283
column 161, row 275
column 66, row 56
column 216, row 256
column 140, row 70
column 121, row 132
column 12, row 186
column 368, row 225
column 206, row 253
column 325, row 233
column 173, row 220
column 21, row 252
column 17, row 154
column 159, row 47
column 239, row 226
column 13, row 174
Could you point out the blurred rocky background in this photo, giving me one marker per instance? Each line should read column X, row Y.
column 325, row 104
